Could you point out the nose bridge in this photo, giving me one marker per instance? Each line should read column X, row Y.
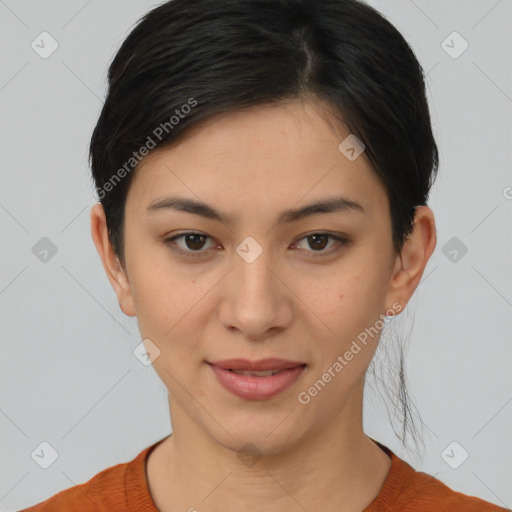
column 252, row 273
column 254, row 301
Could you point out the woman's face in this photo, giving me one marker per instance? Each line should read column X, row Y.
column 258, row 284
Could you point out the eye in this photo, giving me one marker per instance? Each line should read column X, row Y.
column 318, row 241
column 193, row 242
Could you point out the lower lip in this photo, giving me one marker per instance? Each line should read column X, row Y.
column 251, row 387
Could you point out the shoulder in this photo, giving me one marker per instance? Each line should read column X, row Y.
column 433, row 495
column 408, row 490
column 97, row 494
column 106, row 491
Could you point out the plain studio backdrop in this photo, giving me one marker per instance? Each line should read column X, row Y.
column 71, row 384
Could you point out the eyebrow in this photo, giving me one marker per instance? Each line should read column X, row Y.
column 336, row 204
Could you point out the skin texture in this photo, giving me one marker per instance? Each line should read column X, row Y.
column 288, row 303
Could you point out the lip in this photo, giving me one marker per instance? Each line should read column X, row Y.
column 251, row 387
column 271, row 363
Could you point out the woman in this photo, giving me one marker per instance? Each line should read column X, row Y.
column 263, row 169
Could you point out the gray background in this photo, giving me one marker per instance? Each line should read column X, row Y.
column 69, row 376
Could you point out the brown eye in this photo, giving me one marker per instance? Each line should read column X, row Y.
column 191, row 244
column 194, row 241
column 317, row 242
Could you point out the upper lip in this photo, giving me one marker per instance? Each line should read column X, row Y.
column 272, row 363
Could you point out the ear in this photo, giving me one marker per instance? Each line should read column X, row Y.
column 116, row 274
column 412, row 260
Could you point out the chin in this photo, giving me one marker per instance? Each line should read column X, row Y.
column 259, row 437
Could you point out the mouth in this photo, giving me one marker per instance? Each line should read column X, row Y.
column 261, row 365
column 265, row 373
column 257, row 383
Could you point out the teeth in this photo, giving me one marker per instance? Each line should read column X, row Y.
column 266, row 373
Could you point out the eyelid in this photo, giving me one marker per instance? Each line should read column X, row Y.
column 189, row 254
column 341, row 239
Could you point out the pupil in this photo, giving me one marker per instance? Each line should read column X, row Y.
column 191, row 237
column 315, row 245
column 316, row 237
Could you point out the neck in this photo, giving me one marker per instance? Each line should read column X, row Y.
column 335, row 468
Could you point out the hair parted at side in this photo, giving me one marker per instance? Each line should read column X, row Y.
column 186, row 61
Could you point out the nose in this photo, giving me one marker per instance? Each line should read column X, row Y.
column 256, row 300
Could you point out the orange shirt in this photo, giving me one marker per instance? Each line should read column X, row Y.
column 124, row 488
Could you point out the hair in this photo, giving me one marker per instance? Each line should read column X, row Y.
column 187, row 61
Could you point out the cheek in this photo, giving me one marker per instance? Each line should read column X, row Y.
column 365, row 284
column 351, row 310
column 353, row 304
column 154, row 290
column 170, row 304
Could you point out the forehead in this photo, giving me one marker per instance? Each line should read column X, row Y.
column 268, row 155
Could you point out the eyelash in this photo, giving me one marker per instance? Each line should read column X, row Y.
column 194, row 254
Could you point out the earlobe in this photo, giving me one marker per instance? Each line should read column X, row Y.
column 412, row 260
column 111, row 264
